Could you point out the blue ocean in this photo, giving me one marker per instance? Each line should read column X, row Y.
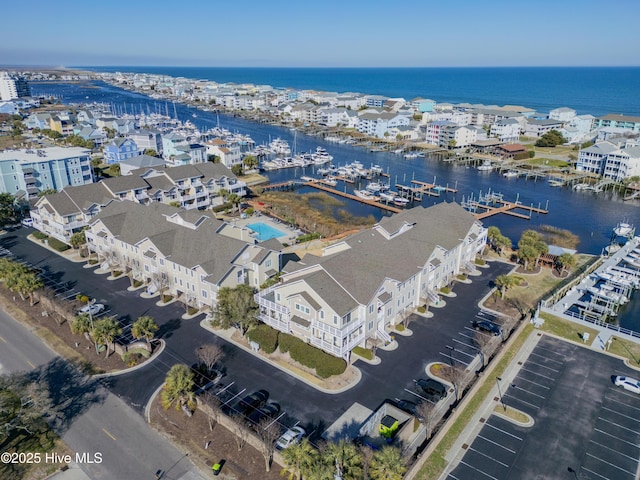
column 594, row 90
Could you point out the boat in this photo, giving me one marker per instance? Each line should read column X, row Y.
column 624, row 230
column 375, row 187
column 321, row 156
column 363, row 194
column 510, row 174
column 280, row 147
column 487, row 166
column 387, row 196
column 582, row 186
column 376, row 170
column 331, row 181
column 306, row 178
column 401, row 201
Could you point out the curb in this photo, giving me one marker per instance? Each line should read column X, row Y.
column 163, row 344
column 147, row 407
column 204, row 325
column 31, row 238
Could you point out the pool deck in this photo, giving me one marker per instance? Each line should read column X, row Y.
column 290, row 233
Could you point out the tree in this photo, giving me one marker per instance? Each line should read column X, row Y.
column 497, row 240
column 209, row 354
column 236, row 169
column 426, row 414
column 551, row 139
column 565, row 261
column 268, row 432
column 485, row 344
column 456, row 375
column 78, row 239
column 240, row 429
column 80, row 324
column 7, row 208
column 178, row 388
column 299, row 459
column 150, row 152
column 105, row 331
column 387, row 464
column 24, row 403
column 145, row 327
column 235, row 200
column 47, row 191
column 213, row 158
column 235, row 308
column 28, row 283
column 250, row 161
column 213, row 408
column 505, row 282
column 346, row 458
column 530, row 247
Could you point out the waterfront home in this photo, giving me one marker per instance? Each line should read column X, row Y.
column 422, row 105
column 611, row 161
column 189, row 154
column 375, row 100
column 457, row 137
column 511, row 150
column 147, row 140
column 626, row 122
column 435, row 131
column 377, row 124
column 37, row 120
column 228, row 153
column 170, row 141
column 32, row 171
column 127, row 167
column 360, row 287
column 562, row 114
column 120, row 149
column 537, row 128
column 507, row 130
column 93, row 134
column 187, row 255
column 63, row 124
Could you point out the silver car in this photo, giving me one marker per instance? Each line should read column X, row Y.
column 290, row 437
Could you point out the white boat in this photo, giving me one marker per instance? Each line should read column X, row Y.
column 375, row 187
column 305, row 178
column 387, row 196
column 280, row 147
column 401, row 201
column 582, row 186
column 624, row 230
column 510, row 174
column 331, row 181
column 321, row 156
column 376, row 169
column 363, row 194
column 487, row 166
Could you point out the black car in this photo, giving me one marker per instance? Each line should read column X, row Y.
column 252, row 402
column 407, row 406
column 487, row 326
column 268, row 410
column 432, row 388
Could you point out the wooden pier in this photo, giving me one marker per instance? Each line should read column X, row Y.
column 373, row 203
column 506, row 208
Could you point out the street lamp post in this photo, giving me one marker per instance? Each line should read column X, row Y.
column 627, row 349
column 575, row 474
column 498, row 380
column 451, row 349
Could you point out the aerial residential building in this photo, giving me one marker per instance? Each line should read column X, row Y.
column 457, row 137
column 610, row 161
column 377, row 124
column 506, row 130
column 618, row 121
column 435, row 131
column 371, row 281
column 13, row 86
column 563, row 114
column 120, row 149
column 128, row 166
column 537, row 128
column 188, row 255
column 32, row 171
column 147, row 140
column 229, row 154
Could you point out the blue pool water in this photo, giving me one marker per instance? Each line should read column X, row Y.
column 264, row 231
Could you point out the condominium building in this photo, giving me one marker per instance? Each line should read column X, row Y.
column 610, row 161
column 13, row 86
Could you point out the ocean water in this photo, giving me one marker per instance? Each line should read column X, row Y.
column 594, row 90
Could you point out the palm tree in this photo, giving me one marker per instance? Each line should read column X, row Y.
column 299, row 459
column 105, row 331
column 145, row 327
column 564, row 261
column 178, row 388
column 387, row 464
column 234, row 199
column 80, row 324
column 505, row 282
column 345, row 456
column 27, row 284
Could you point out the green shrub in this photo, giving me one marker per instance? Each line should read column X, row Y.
column 400, row 327
column 265, row 336
column 40, row 235
column 140, row 351
column 137, row 283
column 93, row 261
column 325, row 365
column 363, row 352
column 480, row 261
column 422, row 309
column 249, row 211
column 58, row 245
column 221, row 208
column 445, row 290
column 166, row 298
column 462, row 277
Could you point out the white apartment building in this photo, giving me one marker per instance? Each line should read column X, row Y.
column 506, row 130
column 13, row 86
column 610, row 161
column 562, row 114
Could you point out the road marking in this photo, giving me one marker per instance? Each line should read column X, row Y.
column 621, row 414
column 503, row 431
column 617, row 438
column 31, row 364
column 596, row 474
column 618, row 425
column 612, row 465
column 539, row 374
column 543, row 366
column 515, row 387
column 487, row 456
column 521, row 401
column 109, row 435
column 622, row 403
column 478, row 470
column 616, row 451
column 3, row 340
column 496, row 444
column 531, row 381
column 547, row 358
column 552, row 352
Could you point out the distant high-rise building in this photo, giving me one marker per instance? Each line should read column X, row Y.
column 13, row 86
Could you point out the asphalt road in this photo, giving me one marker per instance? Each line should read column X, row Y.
column 582, row 421
column 91, row 419
column 316, row 410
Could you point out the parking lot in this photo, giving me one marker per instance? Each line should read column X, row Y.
column 585, row 426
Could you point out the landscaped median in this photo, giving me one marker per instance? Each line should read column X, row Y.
column 435, row 463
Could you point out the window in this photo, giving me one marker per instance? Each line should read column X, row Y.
column 335, row 319
column 371, row 325
column 203, row 294
column 267, row 264
column 371, row 307
column 322, row 314
column 162, row 261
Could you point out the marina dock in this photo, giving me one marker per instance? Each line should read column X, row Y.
column 373, row 203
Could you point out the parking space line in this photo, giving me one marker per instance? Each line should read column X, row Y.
column 506, row 395
column 623, row 392
column 612, row 465
column 539, row 374
column 552, row 352
column 516, row 387
column 503, row 431
column 463, row 334
column 487, row 456
column 453, row 358
column 467, row 345
column 622, row 403
column 635, row 459
column 618, row 425
column 496, row 444
column 621, row 414
column 595, row 473
column 453, row 476
column 617, row 438
column 478, row 470
column 543, row 366
column 547, row 358
column 531, row 381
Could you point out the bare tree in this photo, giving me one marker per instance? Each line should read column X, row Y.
column 268, row 431
column 161, row 282
column 240, row 429
column 456, row 376
column 209, row 355
column 487, row 345
column 426, row 413
column 188, row 301
column 213, row 408
column 374, row 343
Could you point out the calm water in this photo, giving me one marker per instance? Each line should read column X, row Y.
column 590, row 216
column 594, row 90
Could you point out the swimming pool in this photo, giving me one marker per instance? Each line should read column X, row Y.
column 265, row 231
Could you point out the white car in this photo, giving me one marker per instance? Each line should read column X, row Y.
column 27, row 222
column 628, row 383
column 92, row 309
column 290, row 437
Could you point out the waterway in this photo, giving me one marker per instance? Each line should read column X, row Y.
column 591, row 216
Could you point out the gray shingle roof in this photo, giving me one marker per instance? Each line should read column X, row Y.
column 125, row 183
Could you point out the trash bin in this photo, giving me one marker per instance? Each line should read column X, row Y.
column 216, row 469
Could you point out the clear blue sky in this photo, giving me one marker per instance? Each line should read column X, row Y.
column 295, row 33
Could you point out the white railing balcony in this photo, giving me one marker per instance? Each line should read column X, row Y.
column 142, row 196
column 73, row 225
column 326, row 346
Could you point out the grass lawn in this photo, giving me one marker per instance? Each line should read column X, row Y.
column 566, row 329
column 436, row 462
column 512, row 413
column 549, row 162
column 627, row 349
column 559, row 150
